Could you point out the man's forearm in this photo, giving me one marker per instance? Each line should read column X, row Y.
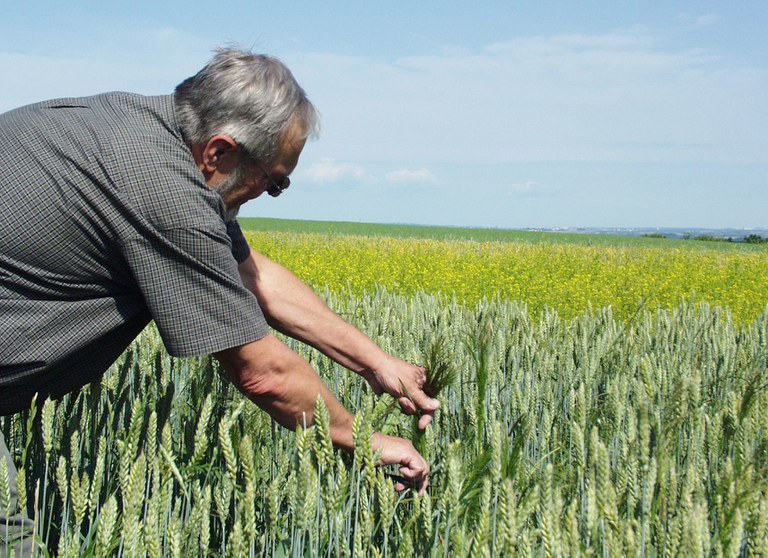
column 282, row 383
column 293, row 308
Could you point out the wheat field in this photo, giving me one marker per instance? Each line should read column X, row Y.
column 605, row 430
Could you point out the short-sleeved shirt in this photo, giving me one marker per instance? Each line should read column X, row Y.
column 106, row 223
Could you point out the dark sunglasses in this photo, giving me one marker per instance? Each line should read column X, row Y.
column 276, row 188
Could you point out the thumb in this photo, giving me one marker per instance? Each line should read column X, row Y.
column 424, row 401
column 418, row 397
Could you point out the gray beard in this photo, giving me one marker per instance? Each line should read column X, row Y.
column 230, row 214
column 224, row 188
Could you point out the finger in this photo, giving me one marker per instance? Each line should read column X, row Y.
column 407, row 405
column 416, row 467
column 417, row 394
column 415, row 398
column 402, row 483
column 425, row 420
column 413, row 476
column 424, row 401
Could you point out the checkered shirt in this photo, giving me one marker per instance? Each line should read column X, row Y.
column 105, row 224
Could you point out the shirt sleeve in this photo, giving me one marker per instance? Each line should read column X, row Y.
column 240, row 249
column 193, row 290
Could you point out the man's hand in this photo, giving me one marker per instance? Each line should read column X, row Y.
column 405, row 382
column 413, row 467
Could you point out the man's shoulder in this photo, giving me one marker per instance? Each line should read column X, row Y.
column 153, row 166
column 114, row 103
column 98, row 123
column 124, row 99
column 136, row 115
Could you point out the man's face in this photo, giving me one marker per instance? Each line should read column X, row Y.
column 249, row 180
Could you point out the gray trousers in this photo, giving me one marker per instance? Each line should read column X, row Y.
column 16, row 529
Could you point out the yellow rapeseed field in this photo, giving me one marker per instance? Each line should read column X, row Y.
column 567, row 278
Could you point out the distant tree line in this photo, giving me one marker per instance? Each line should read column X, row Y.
column 749, row 239
column 755, row 239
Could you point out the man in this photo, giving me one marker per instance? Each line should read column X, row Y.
column 119, row 209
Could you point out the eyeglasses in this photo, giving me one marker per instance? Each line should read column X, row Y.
column 276, row 188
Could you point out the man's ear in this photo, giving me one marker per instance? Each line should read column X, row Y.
column 220, row 154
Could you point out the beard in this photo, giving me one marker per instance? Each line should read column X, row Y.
column 224, row 188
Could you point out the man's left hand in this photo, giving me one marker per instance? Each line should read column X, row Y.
column 405, row 382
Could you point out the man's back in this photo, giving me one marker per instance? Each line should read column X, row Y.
column 91, row 191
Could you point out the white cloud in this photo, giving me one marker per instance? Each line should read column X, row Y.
column 621, row 96
column 527, row 189
column 329, row 170
column 699, row 21
column 558, row 44
column 411, row 176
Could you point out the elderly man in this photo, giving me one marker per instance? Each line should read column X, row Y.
column 119, row 209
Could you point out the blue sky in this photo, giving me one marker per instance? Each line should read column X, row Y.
column 496, row 114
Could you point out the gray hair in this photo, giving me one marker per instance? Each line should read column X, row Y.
column 253, row 98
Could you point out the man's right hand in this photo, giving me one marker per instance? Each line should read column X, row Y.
column 413, row 467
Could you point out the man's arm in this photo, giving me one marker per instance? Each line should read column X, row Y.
column 282, row 383
column 294, row 309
